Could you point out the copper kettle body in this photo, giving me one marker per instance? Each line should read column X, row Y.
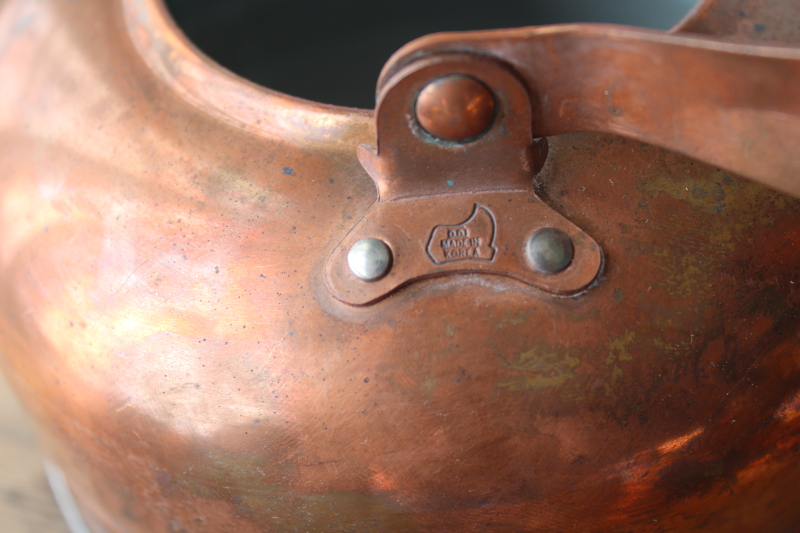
column 181, row 315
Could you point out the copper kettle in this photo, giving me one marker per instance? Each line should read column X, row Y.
column 548, row 286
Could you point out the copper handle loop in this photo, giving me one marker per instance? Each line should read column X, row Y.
column 732, row 105
column 458, row 206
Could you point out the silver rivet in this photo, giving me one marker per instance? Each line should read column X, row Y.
column 549, row 250
column 369, row 259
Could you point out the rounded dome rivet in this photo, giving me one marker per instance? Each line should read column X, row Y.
column 455, row 108
column 369, row 259
column 549, row 250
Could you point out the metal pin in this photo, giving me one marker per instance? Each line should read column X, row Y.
column 369, row 259
column 549, row 250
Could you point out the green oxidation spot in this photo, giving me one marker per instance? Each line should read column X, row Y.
column 696, row 189
column 238, row 191
column 514, row 319
column 618, row 348
column 684, row 276
column 732, row 206
column 247, row 484
column 350, row 512
column 540, row 367
column 618, row 353
column 618, row 295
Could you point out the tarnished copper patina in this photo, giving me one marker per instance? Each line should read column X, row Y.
column 588, row 320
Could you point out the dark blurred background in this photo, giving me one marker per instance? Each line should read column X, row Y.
column 333, row 51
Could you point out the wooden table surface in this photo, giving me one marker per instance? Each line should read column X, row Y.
column 26, row 503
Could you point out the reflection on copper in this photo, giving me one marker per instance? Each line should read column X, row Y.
column 679, row 443
column 164, row 229
column 789, row 410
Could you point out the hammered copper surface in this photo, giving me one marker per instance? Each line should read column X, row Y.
column 164, row 228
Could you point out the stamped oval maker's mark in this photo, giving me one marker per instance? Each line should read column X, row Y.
column 472, row 239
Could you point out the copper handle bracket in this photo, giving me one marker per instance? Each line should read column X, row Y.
column 733, row 105
column 738, row 110
column 458, row 206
